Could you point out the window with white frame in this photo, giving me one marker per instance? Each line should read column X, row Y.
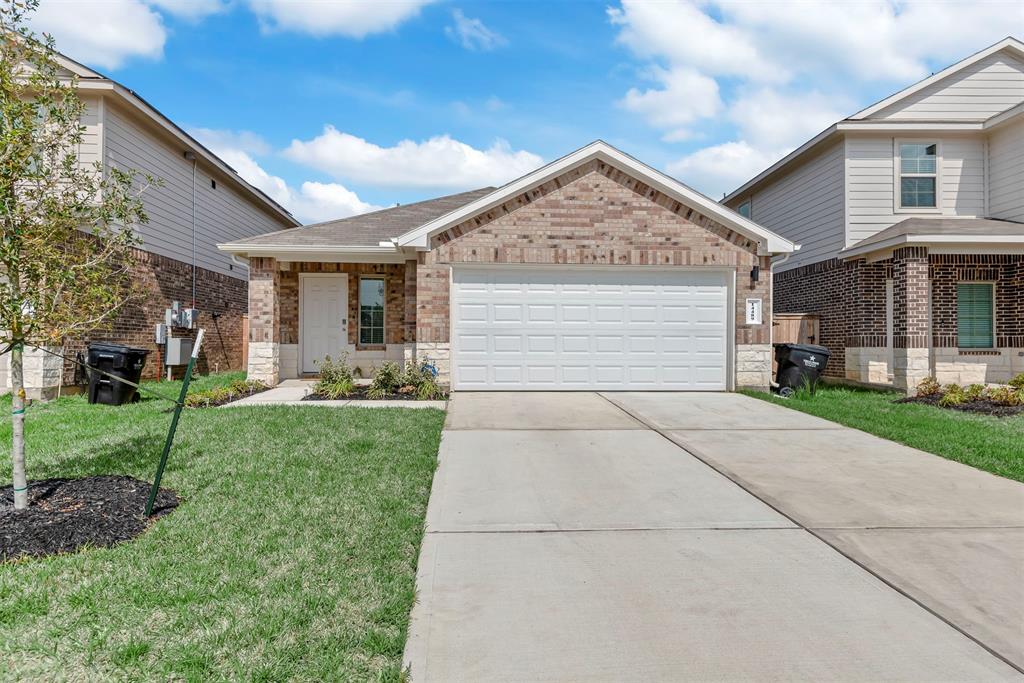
column 744, row 209
column 975, row 315
column 371, row 311
column 919, row 175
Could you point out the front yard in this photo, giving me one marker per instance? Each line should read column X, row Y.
column 291, row 557
column 992, row 444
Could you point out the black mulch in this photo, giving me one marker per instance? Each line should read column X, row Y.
column 64, row 515
column 984, row 406
column 360, row 395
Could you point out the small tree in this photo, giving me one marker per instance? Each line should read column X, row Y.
column 67, row 232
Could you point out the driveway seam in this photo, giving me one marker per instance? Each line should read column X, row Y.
column 695, row 453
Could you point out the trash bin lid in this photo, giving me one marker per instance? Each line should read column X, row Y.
column 809, row 348
column 116, row 348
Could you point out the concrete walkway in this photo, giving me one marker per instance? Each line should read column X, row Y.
column 580, row 536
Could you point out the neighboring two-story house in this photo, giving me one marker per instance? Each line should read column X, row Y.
column 910, row 214
column 200, row 202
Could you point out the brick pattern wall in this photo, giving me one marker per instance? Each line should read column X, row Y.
column 910, row 298
column 159, row 281
column 849, row 298
column 595, row 215
column 1005, row 270
column 395, row 286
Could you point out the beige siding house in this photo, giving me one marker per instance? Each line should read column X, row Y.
column 911, row 213
column 178, row 259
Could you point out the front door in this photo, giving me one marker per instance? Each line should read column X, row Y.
column 324, row 318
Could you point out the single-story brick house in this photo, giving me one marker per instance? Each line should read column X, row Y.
column 593, row 272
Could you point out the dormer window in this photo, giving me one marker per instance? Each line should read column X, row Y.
column 918, row 185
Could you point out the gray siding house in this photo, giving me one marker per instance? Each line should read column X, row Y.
column 910, row 214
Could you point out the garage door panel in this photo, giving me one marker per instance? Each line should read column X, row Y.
column 586, row 328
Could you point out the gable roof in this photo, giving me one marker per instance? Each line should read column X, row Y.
column 1009, row 42
column 362, row 231
column 860, row 121
column 90, row 80
column 769, row 242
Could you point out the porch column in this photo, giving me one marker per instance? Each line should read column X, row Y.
column 911, row 333
column 409, row 314
column 264, row 320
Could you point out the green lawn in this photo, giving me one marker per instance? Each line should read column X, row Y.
column 292, row 556
column 988, row 443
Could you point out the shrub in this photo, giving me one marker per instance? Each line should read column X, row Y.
column 975, row 392
column 1007, row 396
column 220, row 395
column 953, row 396
column 1018, row 382
column 929, row 386
column 336, row 379
column 429, row 390
column 386, row 381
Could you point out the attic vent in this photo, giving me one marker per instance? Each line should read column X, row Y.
column 213, row 184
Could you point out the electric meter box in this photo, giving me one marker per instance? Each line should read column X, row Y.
column 179, row 350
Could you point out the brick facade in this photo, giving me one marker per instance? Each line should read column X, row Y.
column 849, row 297
column 593, row 215
column 221, row 300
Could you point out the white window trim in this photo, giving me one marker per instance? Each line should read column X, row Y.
column 359, row 312
column 995, row 317
column 897, row 194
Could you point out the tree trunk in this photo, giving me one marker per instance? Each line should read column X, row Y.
column 18, row 428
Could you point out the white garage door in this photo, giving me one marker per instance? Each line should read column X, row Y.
column 584, row 328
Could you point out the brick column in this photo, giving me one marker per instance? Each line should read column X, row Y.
column 264, row 320
column 409, row 312
column 911, row 333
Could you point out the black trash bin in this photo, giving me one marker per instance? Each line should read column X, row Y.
column 123, row 362
column 799, row 365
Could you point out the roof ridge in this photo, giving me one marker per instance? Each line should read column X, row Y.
column 395, row 207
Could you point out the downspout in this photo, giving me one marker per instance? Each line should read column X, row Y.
column 192, row 157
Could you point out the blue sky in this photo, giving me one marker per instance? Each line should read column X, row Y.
column 336, row 107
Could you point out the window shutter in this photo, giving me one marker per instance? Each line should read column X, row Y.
column 975, row 324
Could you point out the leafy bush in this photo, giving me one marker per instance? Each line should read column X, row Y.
column 387, row 380
column 929, row 386
column 237, row 389
column 953, row 396
column 336, row 378
column 1018, row 382
column 975, row 392
column 1007, row 396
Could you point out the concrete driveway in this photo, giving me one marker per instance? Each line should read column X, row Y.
column 581, row 536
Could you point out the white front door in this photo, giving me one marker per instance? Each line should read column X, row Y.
column 590, row 329
column 323, row 315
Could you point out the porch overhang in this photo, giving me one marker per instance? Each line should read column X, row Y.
column 942, row 236
column 385, row 252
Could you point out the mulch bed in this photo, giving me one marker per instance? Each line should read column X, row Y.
column 360, row 395
column 983, row 407
column 64, row 515
column 232, row 399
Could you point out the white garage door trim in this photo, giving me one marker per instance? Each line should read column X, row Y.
column 474, row 346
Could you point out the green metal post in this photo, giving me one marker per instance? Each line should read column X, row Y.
column 174, row 425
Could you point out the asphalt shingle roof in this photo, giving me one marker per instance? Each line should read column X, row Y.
column 966, row 227
column 368, row 229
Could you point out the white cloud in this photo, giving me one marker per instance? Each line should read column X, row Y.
column 352, row 18
column 103, row 33
column 472, row 34
column 717, row 169
column 190, row 9
column 788, row 68
column 685, row 97
column 440, row 162
column 313, row 202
